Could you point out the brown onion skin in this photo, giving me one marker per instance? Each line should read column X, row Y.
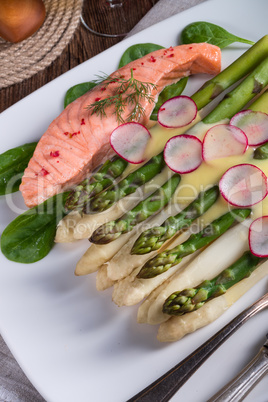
column 19, row 19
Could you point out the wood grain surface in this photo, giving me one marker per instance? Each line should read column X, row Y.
column 83, row 45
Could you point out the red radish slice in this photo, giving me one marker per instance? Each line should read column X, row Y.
column 258, row 237
column 223, row 140
column 243, row 185
column 254, row 125
column 183, row 153
column 129, row 141
column 177, row 112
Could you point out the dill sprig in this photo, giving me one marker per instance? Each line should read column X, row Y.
column 128, row 92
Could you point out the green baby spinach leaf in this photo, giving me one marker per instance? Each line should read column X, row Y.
column 76, row 91
column 30, row 236
column 135, row 52
column 202, row 31
column 12, row 165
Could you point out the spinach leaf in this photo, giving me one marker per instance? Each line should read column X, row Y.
column 76, row 91
column 169, row 92
column 135, row 52
column 12, row 165
column 202, row 31
column 30, row 236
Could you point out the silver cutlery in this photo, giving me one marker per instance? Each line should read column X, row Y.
column 243, row 383
column 168, row 384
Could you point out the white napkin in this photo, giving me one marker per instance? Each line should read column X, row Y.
column 162, row 10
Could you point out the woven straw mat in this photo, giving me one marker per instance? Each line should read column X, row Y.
column 24, row 59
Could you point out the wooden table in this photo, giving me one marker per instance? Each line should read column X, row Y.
column 83, row 46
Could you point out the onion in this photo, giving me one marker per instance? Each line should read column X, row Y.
column 19, row 19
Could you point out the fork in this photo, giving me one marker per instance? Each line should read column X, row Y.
column 168, row 384
column 243, row 383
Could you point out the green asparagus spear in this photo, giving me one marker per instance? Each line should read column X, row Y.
column 233, row 73
column 154, row 238
column 185, row 301
column 235, row 100
column 261, row 105
column 93, row 185
column 128, row 185
column 168, row 258
column 261, row 152
column 112, row 230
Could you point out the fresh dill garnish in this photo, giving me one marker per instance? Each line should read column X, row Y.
column 128, row 92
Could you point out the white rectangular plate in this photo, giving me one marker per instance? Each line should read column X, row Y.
column 72, row 342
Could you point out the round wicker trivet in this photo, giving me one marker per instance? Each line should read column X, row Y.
column 22, row 60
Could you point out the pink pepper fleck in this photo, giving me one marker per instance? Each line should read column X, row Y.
column 55, row 154
column 43, row 172
column 152, row 59
column 83, row 122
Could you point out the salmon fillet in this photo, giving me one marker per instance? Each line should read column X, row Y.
column 77, row 141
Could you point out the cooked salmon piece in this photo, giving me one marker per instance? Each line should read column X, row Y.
column 77, row 141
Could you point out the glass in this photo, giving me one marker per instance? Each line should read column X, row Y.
column 111, row 10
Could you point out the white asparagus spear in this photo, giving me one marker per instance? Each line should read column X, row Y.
column 177, row 327
column 91, row 222
column 85, row 226
column 123, row 263
column 97, row 255
column 206, row 266
column 113, row 270
column 102, row 280
column 120, row 266
column 65, row 229
column 131, row 290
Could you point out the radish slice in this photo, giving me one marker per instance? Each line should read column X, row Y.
column 177, row 112
column 243, row 185
column 129, row 140
column 183, row 153
column 223, row 140
column 258, row 237
column 254, row 125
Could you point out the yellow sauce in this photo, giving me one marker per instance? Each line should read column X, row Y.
column 160, row 135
